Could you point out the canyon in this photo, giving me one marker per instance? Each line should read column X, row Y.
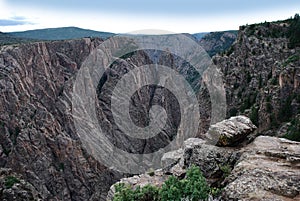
column 42, row 156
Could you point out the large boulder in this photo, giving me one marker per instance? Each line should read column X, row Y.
column 211, row 159
column 231, row 132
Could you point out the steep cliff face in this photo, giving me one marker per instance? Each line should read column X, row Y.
column 262, row 74
column 37, row 135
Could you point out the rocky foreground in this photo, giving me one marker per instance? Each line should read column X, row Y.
column 268, row 168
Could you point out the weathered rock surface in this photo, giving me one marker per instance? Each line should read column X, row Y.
column 268, row 169
column 232, row 132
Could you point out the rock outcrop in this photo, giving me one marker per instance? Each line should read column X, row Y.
column 268, row 169
column 215, row 162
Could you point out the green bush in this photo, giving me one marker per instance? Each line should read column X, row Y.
column 126, row 193
column 274, row 124
column 269, row 107
column 274, row 81
column 196, row 186
column 10, row 181
column 226, row 170
column 294, row 32
column 193, row 187
column 286, row 111
column 254, row 115
column 293, row 131
column 233, row 112
column 171, row 189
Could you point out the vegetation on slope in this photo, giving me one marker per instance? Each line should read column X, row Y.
column 6, row 39
column 262, row 67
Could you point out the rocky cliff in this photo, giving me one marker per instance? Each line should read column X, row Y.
column 38, row 136
column 262, row 74
column 38, row 139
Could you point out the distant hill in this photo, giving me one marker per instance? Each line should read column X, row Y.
column 63, row 33
column 213, row 43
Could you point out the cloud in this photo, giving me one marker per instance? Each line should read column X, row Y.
column 18, row 18
column 14, row 21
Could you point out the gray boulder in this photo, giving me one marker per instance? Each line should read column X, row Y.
column 231, row 132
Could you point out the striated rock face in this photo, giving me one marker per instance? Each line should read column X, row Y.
column 37, row 136
column 269, row 169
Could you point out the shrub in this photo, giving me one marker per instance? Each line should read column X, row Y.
column 273, row 121
column 291, row 59
column 293, row 131
column 254, row 116
column 151, row 172
column 171, row 189
column 274, row 81
column 196, row 186
column 216, row 192
column 246, row 104
column 193, row 187
column 233, row 112
column 226, row 170
column 10, row 181
column 286, row 111
column 294, row 32
column 126, row 193
column 260, row 82
column 269, row 107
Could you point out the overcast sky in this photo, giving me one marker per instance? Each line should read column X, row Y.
column 122, row 16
